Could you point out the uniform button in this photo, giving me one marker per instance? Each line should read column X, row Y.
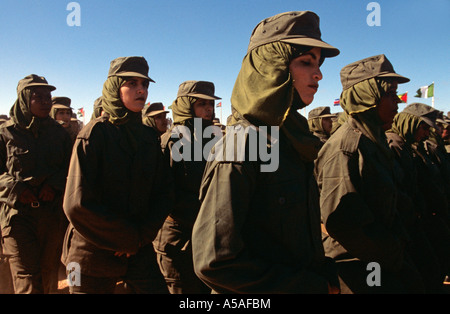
column 281, row 201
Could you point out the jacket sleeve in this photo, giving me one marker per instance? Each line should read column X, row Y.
column 10, row 187
column 347, row 216
column 85, row 212
column 221, row 258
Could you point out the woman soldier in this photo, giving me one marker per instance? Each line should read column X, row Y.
column 34, row 158
column 154, row 116
column 117, row 194
column 320, row 122
column 429, row 239
column 355, row 174
column 258, row 229
column 193, row 112
column 62, row 113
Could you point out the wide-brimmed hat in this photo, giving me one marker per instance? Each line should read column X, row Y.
column 320, row 112
column 296, row 27
column 33, row 80
column 153, row 109
column 130, row 67
column 376, row 66
column 199, row 89
column 61, row 102
column 427, row 113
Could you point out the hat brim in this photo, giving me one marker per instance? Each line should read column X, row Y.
column 61, row 107
column 154, row 113
column 328, row 51
column 203, row 96
column 399, row 78
column 429, row 122
column 134, row 74
column 51, row 87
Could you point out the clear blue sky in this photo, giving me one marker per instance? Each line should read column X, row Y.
column 207, row 40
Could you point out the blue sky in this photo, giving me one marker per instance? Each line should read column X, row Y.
column 207, row 40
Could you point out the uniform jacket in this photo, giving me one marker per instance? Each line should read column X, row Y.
column 259, row 232
column 115, row 200
column 358, row 200
column 27, row 161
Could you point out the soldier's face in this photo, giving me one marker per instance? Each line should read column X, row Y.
column 133, row 93
column 161, row 122
column 306, row 74
column 64, row 115
column 41, row 102
column 422, row 133
column 327, row 125
column 388, row 106
column 204, row 108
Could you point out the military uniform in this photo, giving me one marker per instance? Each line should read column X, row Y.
column 315, row 117
column 117, row 196
column 358, row 194
column 33, row 154
column 173, row 243
column 258, row 230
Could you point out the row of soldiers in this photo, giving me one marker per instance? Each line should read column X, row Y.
column 116, row 204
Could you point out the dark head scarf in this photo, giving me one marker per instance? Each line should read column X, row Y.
column 265, row 96
column 21, row 115
column 405, row 125
column 360, row 102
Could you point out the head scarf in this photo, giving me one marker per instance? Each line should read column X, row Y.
column 182, row 109
column 21, row 115
column 405, row 125
column 360, row 102
column 265, row 96
column 118, row 114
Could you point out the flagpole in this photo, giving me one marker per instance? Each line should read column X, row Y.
column 432, row 98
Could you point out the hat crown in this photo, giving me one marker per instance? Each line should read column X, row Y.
column 61, row 100
column 197, row 89
column 32, row 80
column 319, row 111
column 286, row 25
column 127, row 65
column 367, row 68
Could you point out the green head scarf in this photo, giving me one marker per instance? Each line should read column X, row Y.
column 265, row 96
column 21, row 115
column 182, row 109
column 405, row 125
column 360, row 101
column 118, row 114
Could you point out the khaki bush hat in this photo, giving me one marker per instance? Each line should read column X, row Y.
column 130, row 67
column 296, row 27
column 61, row 102
column 153, row 109
column 376, row 66
column 199, row 89
column 427, row 113
column 33, row 80
column 320, row 112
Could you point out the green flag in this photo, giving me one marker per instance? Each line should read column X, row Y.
column 425, row 91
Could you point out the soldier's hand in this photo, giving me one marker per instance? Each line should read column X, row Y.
column 333, row 289
column 47, row 194
column 27, row 197
column 119, row 254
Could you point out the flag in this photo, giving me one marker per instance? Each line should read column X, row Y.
column 425, row 91
column 219, row 105
column 80, row 112
column 336, row 102
column 403, row 97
